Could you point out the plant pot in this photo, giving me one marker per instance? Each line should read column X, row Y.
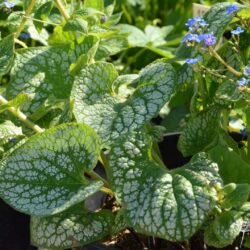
column 14, row 228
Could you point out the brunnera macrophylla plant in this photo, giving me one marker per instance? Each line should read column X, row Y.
column 82, row 111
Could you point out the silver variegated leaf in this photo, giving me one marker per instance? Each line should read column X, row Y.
column 44, row 71
column 99, row 106
column 224, row 229
column 6, row 53
column 45, row 175
column 200, row 131
column 166, row 204
column 71, row 228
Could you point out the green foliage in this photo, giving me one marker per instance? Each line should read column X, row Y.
column 84, row 89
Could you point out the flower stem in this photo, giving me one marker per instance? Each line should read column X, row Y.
column 217, row 56
column 27, row 13
column 21, row 116
column 62, row 9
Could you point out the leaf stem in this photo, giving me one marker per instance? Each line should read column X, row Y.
column 107, row 191
column 21, row 116
column 27, row 13
column 96, row 176
column 217, row 56
column 21, row 43
column 62, row 9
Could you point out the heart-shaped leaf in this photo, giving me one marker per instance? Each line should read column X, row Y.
column 42, row 71
column 167, row 204
column 71, row 228
column 97, row 105
column 200, row 131
column 45, row 175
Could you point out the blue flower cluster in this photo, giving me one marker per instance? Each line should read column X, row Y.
column 194, row 25
column 7, row 4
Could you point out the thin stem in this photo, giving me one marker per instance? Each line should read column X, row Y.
column 62, row 9
column 21, row 43
column 96, row 176
column 217, row 56
column 27, row 13
column 21, row 116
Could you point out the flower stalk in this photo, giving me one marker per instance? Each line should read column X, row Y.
column 62, row 9
column 217, row 56
column 25, row 17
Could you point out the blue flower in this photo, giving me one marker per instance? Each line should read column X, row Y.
column 247, row 71
column 203, row 23
column 243, row 81
column 209, row 39
column 192, row 37
column 192, row 60
column 190, row 22
column 7, row 4
column 231, row 9
column 24, row 35
column 197, row 20
column 237, row 31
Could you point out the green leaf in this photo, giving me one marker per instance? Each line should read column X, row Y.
column 224, row 229
column 200, row 131
column 42, row 13
column 231, row 167
column 9, row 130
column 111, row 45
column 18, row 101
column 156, row 36
column 76, row 24
column 136, row 37
column 6, row 53
column 72, row 228
column 95, row 99
column 95, row 4
column 42, row 71
column 166, row 204
column 45, row 175
column 235, row 195
column 228, row 93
